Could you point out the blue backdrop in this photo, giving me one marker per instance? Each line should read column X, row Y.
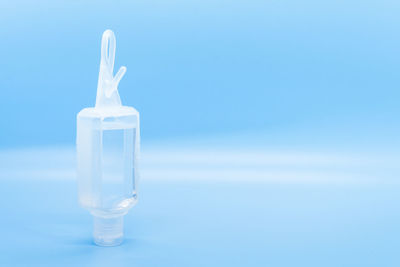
column 325, row 69
column 270, row 131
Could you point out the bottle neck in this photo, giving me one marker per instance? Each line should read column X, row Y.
column 108, row 231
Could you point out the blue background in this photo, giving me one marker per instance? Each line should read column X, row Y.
column 204, row 68
column 269, row 130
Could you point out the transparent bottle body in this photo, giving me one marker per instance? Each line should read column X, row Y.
column 107, row 153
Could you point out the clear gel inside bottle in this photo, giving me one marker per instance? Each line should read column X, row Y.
column 107, row 153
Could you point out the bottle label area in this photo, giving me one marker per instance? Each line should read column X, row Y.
column 106, row 166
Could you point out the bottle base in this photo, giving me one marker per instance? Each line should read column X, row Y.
column 108, row 242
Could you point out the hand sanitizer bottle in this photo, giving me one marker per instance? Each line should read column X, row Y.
column 107, row 151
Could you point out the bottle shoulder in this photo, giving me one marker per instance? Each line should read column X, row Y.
column 120, row 111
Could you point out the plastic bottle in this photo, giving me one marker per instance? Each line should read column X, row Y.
column 107, row 152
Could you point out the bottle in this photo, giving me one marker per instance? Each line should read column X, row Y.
column 107, row 152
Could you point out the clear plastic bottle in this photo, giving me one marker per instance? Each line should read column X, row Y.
column 107, row 152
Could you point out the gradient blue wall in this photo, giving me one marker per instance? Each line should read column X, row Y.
column 321, row 69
